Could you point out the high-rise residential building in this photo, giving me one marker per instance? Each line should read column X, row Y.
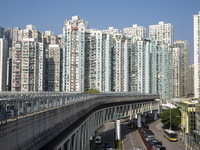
column 142, row 49
column 50, row 38
column 74, row 55
column 163, row 32
column 161, row 70
column 2, row 32
column 94, row 52
column 9, row 69
column 177, row 72
column 191, row 81
column 60, row 43
column 184, row 66
column 108, row 60
column 197, row 55
column 28, row 65
column 30, row 32
column 120, row 63
column 112, row 30
column 12, row 35
column 3, row 63
column 53, row 68
column 136, row 31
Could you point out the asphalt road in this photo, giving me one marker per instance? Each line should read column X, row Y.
column 156, row 127
column 131, row 138
column 107, row 133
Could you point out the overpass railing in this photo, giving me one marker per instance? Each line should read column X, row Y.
column 17, row 105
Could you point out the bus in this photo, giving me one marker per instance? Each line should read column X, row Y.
column 170, row 135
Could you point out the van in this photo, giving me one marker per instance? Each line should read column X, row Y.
column 98, row 140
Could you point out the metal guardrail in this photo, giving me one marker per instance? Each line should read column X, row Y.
column 17, row 105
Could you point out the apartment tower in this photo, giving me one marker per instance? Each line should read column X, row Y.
column 27, row 65
column 74, row 55
column 163, row 32
column 3, row 63
column 184, row 66
column 135, row 31
column 197, row 55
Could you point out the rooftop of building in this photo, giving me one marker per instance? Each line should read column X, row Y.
column 188, row 102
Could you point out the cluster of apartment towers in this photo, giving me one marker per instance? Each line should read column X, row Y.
column 107, row 60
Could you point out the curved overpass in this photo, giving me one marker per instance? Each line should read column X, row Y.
column 59, row 122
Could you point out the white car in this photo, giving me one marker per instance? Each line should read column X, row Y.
column 98, row 139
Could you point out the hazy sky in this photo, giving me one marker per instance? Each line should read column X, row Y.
column 101, row 14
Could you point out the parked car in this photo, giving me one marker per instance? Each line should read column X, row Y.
column 146, row 131
column 154, row 142
column 148, row 134
column 150, row 137
column 145, row 127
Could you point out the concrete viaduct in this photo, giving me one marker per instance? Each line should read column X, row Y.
column 66, row 121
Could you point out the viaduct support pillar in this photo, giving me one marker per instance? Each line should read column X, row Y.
column 155, row 115
column 138, row 120
column 117, row 130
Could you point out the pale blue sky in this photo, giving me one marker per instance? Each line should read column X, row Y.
column 101, row 14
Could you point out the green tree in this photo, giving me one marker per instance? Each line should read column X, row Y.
column 175, row 118
column 92, row 91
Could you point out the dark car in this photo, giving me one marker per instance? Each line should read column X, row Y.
column 154, row 142
column 146, row 131
column 107, row 145
column 145, row 127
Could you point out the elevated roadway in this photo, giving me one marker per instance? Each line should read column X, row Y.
column 65, row 121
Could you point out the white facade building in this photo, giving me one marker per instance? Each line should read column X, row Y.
column 3, row 63
column 197, row 55
column 177, row 72
column 163, row 32
column 136, row 31
column 74, row 55
column 112, row 30
column 120, row 63
column 27, row 65
column 142, row 49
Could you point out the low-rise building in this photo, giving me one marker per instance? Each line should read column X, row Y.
column 188, row 119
